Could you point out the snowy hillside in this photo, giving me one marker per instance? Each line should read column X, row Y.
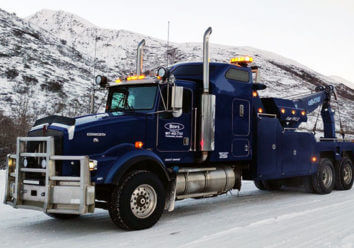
column 53, row 59
column 41, row 68
column 344, row 81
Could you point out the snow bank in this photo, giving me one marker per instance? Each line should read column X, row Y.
column 253, row 218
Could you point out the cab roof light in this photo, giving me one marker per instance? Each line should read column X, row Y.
column 293, row 111
column 282, row 110
column 254, row 94
column 135, row 77
column 241, row 59
column 313, row 159
column 260, row 110
column 303, row 112
column 131, row 78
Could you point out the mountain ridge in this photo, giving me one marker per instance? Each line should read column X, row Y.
column 116, row 53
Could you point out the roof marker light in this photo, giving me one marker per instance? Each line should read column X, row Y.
column 241, row 59
column 303, row 112
column 260, row 110
column 282, row 110
column 135, row 77
column 293, row 112
column 254, row 94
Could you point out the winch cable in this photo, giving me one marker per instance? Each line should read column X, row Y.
column 341, row 129
column 304, row 94
column 315, row 126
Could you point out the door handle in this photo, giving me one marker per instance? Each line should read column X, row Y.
column 242, row 110
column 186, row 141
column 246, row 148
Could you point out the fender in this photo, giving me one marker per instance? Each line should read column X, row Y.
column 128, row 159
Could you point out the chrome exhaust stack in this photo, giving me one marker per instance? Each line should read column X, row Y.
column 207, row 129
column 139, row 57
column 206, row 60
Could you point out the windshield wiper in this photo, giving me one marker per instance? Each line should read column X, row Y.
column 117, row 110
column 130, row 107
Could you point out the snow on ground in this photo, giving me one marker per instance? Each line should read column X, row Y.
column 288, row 218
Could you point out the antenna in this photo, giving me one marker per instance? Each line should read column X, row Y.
column 168, row 41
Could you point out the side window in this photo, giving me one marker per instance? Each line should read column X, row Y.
column 238, row 75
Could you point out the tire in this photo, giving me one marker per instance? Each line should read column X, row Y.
column 138, row 202
column 272, row 185
column 259, row 184
column 323, row 181
column 344, row 174
column 63, row 216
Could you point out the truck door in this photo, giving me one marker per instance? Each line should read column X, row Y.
column 240, row 127
column 241, row 112
column 174, row 134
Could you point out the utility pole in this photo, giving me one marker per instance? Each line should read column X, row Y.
column 168, row 41
column 92, row 100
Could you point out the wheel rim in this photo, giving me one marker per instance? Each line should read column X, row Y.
column 347, row 174
column 143, row 201
column 327, row 177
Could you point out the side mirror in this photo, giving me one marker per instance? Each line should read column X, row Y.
column 177, row 100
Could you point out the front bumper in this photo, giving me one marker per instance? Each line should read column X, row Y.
column 58, row 194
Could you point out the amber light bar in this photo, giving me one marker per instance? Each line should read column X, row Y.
column 241, row 59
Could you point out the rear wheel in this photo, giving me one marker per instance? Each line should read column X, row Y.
column 344, row 174
column 259, row 184
column 323, row 180
column 138, row 202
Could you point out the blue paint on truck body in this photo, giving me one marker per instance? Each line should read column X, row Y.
column 263, row 141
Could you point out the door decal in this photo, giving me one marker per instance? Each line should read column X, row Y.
column 174, row 130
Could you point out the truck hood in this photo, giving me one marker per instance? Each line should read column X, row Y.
column 88, row 122
column 97, row 133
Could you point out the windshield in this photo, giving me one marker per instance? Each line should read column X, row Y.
column 131, row 98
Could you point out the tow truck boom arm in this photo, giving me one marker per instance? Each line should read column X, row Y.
column 321, row 97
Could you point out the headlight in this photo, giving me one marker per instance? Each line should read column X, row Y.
column 44, row 163
column 93, row 165
column 10, row 162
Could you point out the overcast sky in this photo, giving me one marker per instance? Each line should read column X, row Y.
column 316, row 33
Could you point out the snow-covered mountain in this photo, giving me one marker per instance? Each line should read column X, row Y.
column 344, row 81
column 64, row 54
column 40, row 71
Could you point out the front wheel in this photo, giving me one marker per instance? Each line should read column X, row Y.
column 323, row 180
column 138, row 202
column 344, row 174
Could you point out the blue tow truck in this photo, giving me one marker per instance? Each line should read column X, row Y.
column 192, row 130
